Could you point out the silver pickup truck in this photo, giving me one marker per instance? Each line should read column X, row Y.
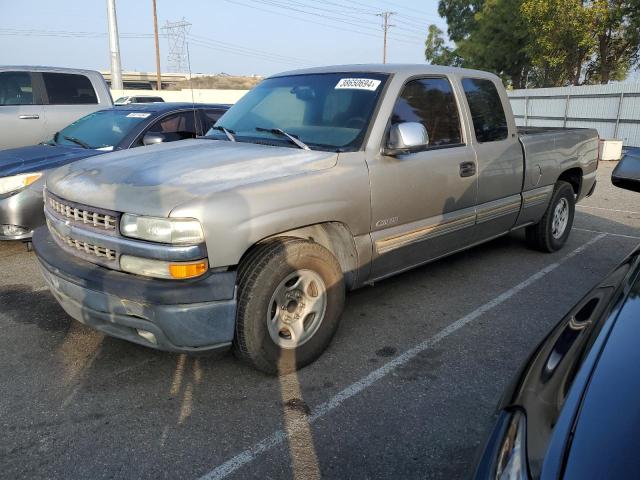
column 316, row 182
column 36, row 102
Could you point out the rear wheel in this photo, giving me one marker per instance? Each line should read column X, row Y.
column 290, row 297
column 552, row 232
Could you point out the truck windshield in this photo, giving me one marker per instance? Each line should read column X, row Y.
column 102, row 129
column 328, row 111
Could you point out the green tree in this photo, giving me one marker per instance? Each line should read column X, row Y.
column 617, row 26
column 436, row 51
column 460, row 16
column 499, row 42
column 562, row 39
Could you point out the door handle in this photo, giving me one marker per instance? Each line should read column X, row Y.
column 29, row 117
column 467, row 169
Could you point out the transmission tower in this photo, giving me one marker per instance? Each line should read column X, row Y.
column 176, row 33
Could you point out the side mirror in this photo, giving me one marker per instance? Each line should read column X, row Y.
column 406, row 137
column 151, row 138
column 627, row 173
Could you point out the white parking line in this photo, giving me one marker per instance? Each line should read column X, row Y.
column 279, row 436
column 607, row 209
column 607, row 233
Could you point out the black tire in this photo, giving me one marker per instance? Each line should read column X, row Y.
column 259, row 275
column 540, row 236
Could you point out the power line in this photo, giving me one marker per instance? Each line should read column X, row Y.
column 361, row 29
column 202, row 41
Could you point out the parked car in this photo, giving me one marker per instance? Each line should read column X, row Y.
column 126, row 100
column 23, row 171
column 315, row 182
column 36, row 102
column 572, row 411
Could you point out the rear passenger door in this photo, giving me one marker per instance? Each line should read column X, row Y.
column 69, row 97
column 423, row 202
column 21, row 110
column 499, row 157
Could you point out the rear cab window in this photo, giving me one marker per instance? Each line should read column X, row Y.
column 431, row 102
column 69, row 89
column 487, row 111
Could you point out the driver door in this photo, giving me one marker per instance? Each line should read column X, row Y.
column 423, row 203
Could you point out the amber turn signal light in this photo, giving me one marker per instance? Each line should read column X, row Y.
column 187, row 270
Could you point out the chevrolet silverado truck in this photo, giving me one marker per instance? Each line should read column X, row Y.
column 316, row 182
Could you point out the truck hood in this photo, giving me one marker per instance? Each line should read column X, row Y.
column 40, row 157
column 154, row 180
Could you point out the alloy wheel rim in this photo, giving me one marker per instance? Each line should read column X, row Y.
column 560, row 218
column 296, row 309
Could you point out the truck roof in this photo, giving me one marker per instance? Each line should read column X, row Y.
column 408, row 69
column 42, row 68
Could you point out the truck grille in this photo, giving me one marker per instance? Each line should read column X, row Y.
column 87, row 217
column 84, row 247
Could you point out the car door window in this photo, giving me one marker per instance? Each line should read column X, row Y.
column 487, row 112
column 16, row 88
column 210, row 118
column 431, row 102
column 69, row 89
column 178, row 126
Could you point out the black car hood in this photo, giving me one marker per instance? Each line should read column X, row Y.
column 607, row 432
column 40, row 157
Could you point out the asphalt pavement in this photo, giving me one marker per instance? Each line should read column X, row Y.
column 407, row 389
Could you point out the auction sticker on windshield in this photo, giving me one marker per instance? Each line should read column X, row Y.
column 358, row 84
column 138, row 115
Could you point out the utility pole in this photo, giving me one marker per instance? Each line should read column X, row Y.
column 155, row 33
column 114, row 46
column 385, row 27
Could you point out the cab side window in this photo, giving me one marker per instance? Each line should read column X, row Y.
column 16, row 88
column 487, row 112
column 69, row 89
column 431, row 102
column 178, row 126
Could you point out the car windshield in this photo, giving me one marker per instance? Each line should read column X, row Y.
column 325, row 111
column 102, row 129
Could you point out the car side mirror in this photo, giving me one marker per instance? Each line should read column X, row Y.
column 627, row 173
column 151, row 138
column 406, row 137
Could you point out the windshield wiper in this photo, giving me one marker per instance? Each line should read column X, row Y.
column 227, row 132
column 76, row 141
column 278, row 131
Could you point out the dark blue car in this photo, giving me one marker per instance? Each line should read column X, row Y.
column 23, row 171
column 573, row 412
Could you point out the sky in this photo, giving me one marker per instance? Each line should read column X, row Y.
column 241, row 37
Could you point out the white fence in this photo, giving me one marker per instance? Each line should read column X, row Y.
column 613, row 109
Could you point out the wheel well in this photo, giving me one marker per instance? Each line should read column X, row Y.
column 574, row 177
column 335, row 237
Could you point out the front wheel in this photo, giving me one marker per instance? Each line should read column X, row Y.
column 552, row 232
column 290, row 297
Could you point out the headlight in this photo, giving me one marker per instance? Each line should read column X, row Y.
column 18, row 182
column 162, row 269
column 163, row 230
column 512, row 457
